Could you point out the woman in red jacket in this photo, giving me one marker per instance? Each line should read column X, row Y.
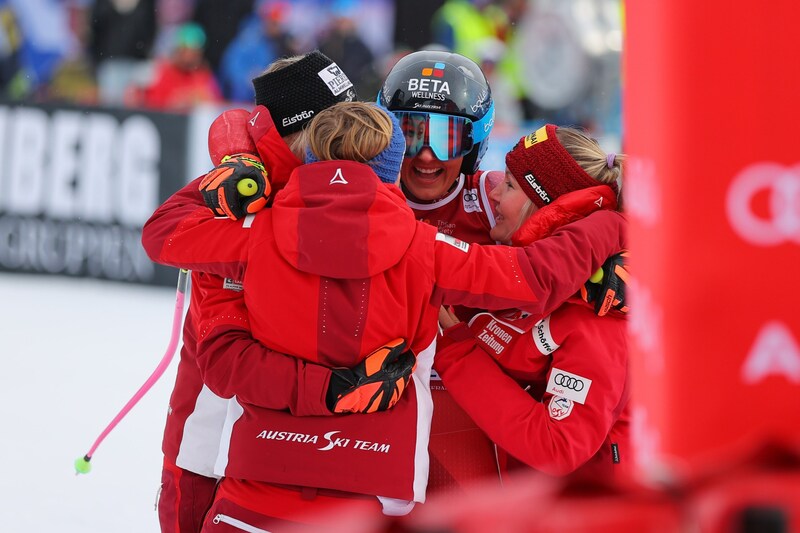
column 337, row 266
column 552, row 393
column 196, row 410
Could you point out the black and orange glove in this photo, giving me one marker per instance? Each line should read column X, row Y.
column 608, row 292
column 237, row 187
column 375, row 384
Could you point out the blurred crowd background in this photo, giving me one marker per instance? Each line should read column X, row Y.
column 547, row 60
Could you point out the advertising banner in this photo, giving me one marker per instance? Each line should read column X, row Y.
column 712, row 190
column 77, row 185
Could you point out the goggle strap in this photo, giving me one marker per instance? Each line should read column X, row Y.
column 481, row 128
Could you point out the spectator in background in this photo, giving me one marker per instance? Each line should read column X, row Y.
column 41, row 35
column 260, row 41
column 9, row 48
column 122, row 33
column 459, row 25
column 184, row 79
column 508, row 110
column 484, row 32
column 170, row 14
column 73, row 80
column 506, row 17
column 342, row 43
column 220, row 20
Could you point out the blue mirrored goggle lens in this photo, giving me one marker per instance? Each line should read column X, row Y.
column 447, row 136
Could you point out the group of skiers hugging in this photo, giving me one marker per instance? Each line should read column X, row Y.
column 373, row 317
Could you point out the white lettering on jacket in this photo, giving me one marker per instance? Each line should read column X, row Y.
column 332, row 440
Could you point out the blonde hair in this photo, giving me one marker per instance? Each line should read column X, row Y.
column 281, row 63
column 297, row 144
column 354, row 131
column 587, row 152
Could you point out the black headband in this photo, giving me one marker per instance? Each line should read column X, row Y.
column 295, row 94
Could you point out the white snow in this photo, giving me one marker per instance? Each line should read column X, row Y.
column 73, row 352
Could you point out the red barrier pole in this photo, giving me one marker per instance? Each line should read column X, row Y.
column 711, row 118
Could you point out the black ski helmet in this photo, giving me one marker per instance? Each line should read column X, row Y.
column 441, row 82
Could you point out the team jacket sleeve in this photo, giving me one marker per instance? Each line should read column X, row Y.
column 232, row 363
column 184, row 233
column 536, row 278
column 556, row 442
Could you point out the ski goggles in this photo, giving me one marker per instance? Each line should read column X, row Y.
column 448, row 136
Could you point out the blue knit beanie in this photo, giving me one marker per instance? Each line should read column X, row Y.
column 388, row 162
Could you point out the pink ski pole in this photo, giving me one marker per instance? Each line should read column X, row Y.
column 82, row 465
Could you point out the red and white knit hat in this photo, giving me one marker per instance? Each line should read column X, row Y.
column 544, row 169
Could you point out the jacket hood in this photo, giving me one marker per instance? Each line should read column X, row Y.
column 336, row 219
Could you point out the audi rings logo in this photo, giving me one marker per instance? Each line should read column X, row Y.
column 568, row 385
column 569, row 382
column 782, row 223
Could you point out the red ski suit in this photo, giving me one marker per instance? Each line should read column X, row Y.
column 460, row 452
column 572, row 415
column 465, row 212
column 336, row 267
column 551, row 427
column 197, row 412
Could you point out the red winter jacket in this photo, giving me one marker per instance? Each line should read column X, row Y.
column 336, row 267
column 550, row 427
column 179, row 90
column 218, row 303
column 466, row 212
column 573, row 414
column 198, row 409
column 196, row 414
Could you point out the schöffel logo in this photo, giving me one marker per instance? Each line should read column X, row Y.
column 568, row 385
column 542, row 337
column 338, row 178
column 437, row 71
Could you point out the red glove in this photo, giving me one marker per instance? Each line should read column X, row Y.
column 375, row 384
column 228, row 135
column 609, row 292
column 236, row 187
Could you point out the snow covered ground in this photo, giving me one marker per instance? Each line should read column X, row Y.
column 73, row 351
